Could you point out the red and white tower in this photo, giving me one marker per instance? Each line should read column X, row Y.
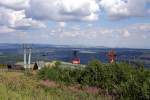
column 111, row 56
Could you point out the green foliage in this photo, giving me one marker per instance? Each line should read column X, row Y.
column 50, row 73
column 57, row 63
column 137, row 87
column 121, row 80
column 3, row 66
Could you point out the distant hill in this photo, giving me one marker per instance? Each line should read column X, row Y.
column 14, row 46
column 9, row 46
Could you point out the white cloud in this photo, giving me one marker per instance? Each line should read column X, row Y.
column 63, row 10
column 130, row 36
column 126, row 34
column 29, row 23
column 131, row 31
column 144, row 36
column 72, row 10
column 62, row 24
column 26, row 12
column 9, row 17
column 76, row 27
column 15, row 4
column 90, row 25
column 141, row 26
column 5, row 29
column 17, row 19
column 117, row 9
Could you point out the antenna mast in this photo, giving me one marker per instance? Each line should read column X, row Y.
column 29, row 58
column 27, row 52
column 25, row 56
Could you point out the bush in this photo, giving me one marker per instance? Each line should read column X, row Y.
column 121, row 80
column 137, row 87
column 57, row 63
column 48, row 73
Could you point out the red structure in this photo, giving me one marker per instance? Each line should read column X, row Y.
column 112, row 56
column 76, row 59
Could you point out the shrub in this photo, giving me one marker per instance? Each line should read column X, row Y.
column 57, row 63
column 121, row 80
column 48, row 73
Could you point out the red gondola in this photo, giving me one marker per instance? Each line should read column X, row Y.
column 76, row 59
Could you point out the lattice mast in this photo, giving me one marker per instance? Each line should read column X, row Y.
column 112, row 56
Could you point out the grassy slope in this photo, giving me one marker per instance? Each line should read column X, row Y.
column 18, row 86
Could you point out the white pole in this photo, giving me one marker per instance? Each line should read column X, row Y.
column 25, row 58
column 29, row 59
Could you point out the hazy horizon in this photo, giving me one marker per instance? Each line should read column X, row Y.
column 70, row 45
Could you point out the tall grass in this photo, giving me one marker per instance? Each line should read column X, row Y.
column 20, row 86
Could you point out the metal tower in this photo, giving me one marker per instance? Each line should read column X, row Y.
column 29, row 58
column 25, row 56
column 27, row 52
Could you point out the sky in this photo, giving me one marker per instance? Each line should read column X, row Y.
column 109, row 23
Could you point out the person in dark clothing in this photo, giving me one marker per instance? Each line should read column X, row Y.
column 9, row 66
column 35, row 66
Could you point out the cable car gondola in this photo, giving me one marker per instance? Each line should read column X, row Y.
column 76, row 59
